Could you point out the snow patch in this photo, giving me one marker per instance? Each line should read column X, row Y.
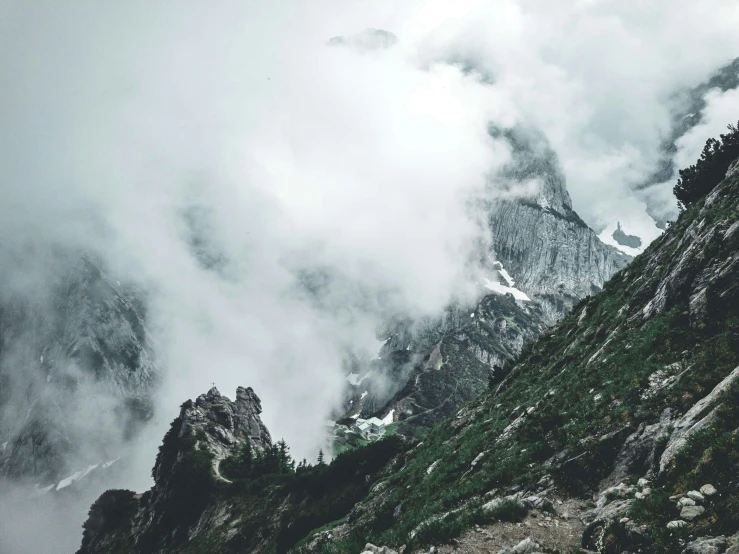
column 388, row 419
column 499, row 288
column 355, row 380
column 69, row 480
column 4, row 445
column 110, row 463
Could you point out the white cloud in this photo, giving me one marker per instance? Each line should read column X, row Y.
column 118, row 117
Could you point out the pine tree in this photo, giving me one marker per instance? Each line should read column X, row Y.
column 320, row 458
column 701, row 178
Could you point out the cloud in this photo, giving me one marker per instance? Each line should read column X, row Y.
column 597, row 78
column 276, row 197
column 213, row 154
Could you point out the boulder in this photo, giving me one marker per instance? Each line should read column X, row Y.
column 697, row 497
column 637, row 454
column 538, row 503
column 496, row 503
column 689, row 513
column 707, row 545
column 685, row 501
column 370, row 548
column 708, row 490
column 526, row 546
column 676, row 524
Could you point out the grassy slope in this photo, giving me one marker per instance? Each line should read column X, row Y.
column 575, row 400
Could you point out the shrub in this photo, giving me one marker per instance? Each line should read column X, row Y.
column 699, row 179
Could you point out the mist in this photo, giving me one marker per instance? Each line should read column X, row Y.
column 274, row 194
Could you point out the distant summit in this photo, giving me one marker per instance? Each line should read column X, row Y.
column 632, row 241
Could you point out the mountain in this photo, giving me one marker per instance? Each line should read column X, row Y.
column 74, row 354
column 544, row 259
column 615, row 432
column 687, row 111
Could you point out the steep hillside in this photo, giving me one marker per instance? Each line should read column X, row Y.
column 547, row 259
column 637, row 383
column 614, row 432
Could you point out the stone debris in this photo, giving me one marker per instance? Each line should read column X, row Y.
column 707, row 545
column 526, row 546
column 676, row 524
column 689, row 513
column 370, row 548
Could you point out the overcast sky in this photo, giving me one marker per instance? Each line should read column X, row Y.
column 119, row 118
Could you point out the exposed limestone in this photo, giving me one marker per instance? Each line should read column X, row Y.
column 694, row 420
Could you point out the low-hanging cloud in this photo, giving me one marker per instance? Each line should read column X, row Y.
column 276, row 194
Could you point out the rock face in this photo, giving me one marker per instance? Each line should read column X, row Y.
column 434, row 369
column 76, row 363
column 206, row 432
column 632, row 241
column 537, row 235
column 220, row 425
column 546, row 256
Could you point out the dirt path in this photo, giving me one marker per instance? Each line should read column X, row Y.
column 562, row 531
column 216, row 465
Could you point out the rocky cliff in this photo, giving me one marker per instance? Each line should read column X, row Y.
column 614, row 432
column 537, row 235
column 187, row 470
column 72, row 351
column 546, row 260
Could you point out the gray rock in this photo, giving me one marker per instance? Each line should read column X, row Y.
column 697, row 418
column 496, row 503
column 526, row 546
column 72, row 344
column 538, row 503
column 632, row 241
column 708, row 490
column 685, row 501
column 638, row 451
column 733, row 543
column 372, row 549
column 689, row 513
column 707, row 545
column 696, row 496
column 676, row 524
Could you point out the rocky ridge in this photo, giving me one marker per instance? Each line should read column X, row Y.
column 547, row 259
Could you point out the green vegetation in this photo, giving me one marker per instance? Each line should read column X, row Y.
column 578, row 392
column 111, row 515
column 701, row 178
column 711, row 456
column 561, row 413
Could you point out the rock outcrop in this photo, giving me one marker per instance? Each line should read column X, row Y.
column 544, row 251
column 177, row 507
